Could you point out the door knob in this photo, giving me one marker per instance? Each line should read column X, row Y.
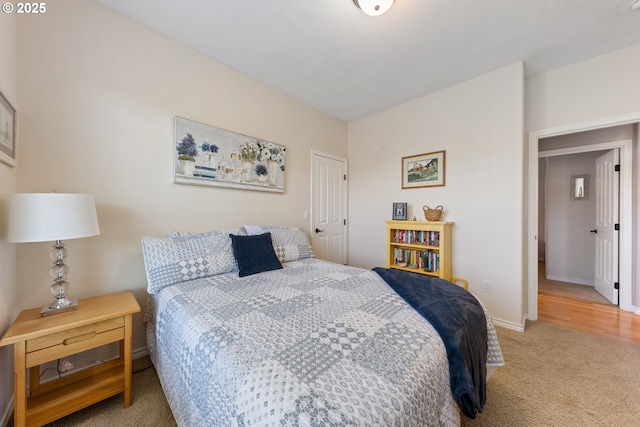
column 594, row 231
column 319, row 231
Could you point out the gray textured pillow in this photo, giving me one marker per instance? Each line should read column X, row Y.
column 170, row 260
column 290, row 244
column 237, row 230
column 252, row 230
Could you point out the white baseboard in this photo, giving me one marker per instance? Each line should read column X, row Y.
column 141, row 352
column 509, row 325
column 571, row 280
column 6, row 414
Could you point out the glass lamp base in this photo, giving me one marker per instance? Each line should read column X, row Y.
column 59, row 306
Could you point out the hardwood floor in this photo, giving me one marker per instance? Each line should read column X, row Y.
column 592, row 318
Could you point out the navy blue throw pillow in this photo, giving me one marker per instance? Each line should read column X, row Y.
column 254, row 254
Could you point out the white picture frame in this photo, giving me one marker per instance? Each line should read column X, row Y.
column 8, row 140
column 209, row 156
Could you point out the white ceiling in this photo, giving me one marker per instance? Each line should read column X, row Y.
column 335, row 58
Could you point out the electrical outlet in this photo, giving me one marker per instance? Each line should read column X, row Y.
column 66, row 366
column 486, row 286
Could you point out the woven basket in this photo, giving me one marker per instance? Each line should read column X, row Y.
column 432, row 214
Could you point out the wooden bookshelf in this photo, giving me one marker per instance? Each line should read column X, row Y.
column 425, row 247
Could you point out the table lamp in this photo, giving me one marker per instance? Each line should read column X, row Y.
column 42, row 217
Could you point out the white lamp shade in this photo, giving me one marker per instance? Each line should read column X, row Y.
column 374, row 7
column 42, row 217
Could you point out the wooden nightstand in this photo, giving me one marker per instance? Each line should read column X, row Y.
column 98, row 321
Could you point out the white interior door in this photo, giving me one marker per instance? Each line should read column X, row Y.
column 606, row 237
column 329, row 207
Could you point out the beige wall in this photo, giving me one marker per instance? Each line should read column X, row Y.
column 99, row 96
column 7, row 186
column 601, row 89
column 480, row 125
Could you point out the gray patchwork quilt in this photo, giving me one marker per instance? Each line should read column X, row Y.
column 313, row 344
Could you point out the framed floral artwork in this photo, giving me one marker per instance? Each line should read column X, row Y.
column 423, row 170
column 210, row 156
column 8, row 148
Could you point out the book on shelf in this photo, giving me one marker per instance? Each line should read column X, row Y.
column 423, row 260
column 419, row 237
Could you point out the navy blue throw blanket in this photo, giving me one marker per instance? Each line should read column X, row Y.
column 459, row 319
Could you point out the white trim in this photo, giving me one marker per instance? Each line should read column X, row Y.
column 508, row 325
column 564, row 279
column 626, row 159
column 8, row 411
column 603, row 146
column 141, row 352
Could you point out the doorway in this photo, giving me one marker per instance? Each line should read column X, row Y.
column 570, row 254
column 329, row 207
column 626, row 198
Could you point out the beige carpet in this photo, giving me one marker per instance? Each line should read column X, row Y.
column 552, row 377
column 148, row 408
column 558, row 377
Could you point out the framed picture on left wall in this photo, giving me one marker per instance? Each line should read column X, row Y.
column 8, row 141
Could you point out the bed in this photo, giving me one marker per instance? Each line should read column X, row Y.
column 241, row 339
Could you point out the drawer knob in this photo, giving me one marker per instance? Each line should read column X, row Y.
column 79, row 338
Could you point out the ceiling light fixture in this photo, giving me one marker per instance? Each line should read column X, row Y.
column 374, row 7
column 636, row 5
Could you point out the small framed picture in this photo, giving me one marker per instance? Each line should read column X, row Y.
column 7, row 132
column 399, row 212
column 423, row 170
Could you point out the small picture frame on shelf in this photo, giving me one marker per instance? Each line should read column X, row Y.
column 399, row 211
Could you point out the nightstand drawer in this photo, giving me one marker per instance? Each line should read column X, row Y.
column 73, row 334
column 42, row 349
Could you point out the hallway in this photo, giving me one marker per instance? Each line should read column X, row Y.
column 568, row 290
